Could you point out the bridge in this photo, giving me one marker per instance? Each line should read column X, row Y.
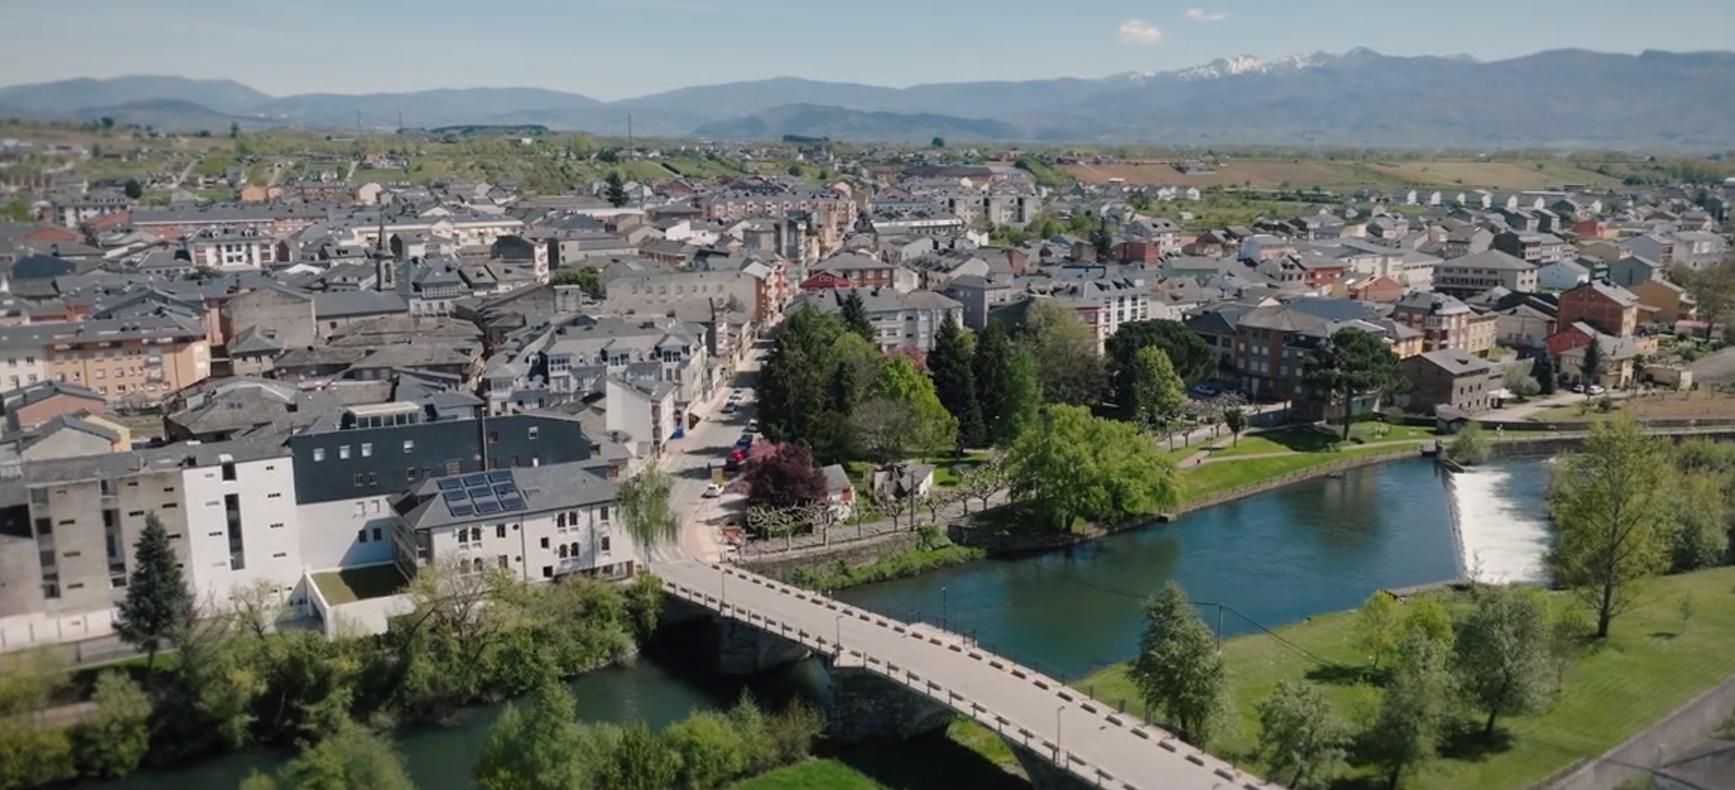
column 894, row 679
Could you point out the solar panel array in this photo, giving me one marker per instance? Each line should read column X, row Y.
column 481, row 494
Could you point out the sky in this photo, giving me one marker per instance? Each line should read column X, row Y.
column 612, row 49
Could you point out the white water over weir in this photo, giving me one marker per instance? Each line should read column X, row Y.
column 1501, row 520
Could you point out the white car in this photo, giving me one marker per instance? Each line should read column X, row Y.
column 713, row 491
column 1595, row 389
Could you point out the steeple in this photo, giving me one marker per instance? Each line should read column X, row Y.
column 385, row 263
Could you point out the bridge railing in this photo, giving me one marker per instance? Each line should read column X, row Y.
column 959, row 643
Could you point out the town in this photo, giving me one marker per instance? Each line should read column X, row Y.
column 362, row 389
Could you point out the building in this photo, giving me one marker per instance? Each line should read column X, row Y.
column 900, row 320
column 540, row 523
column 126, row 360
column 849, row 270
column 1608, row 307
column 1450, row 377
column 34, row 404
column 1561, row 275
column 1473, row 274
column 1666, row 302
column 229, row 249
column 1536, row 248
column 1446, row 322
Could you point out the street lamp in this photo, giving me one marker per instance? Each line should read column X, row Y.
column 943, row 620
column 1057, row 735
column 839, row 641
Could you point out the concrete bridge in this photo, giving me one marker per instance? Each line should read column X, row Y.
column 899, row 680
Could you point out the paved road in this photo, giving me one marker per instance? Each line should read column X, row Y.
column 689, row 461
column 1104, row 748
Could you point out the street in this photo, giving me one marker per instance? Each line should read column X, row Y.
column 688, row 463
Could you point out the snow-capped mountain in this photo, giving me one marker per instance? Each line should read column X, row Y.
column 1247, row 64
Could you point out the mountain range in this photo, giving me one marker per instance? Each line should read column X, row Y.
column 1361, row 97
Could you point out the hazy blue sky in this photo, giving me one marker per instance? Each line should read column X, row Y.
column 617, row 48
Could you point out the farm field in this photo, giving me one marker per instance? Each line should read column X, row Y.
column 1338, row 175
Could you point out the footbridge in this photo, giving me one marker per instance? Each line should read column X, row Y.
column 895, row 679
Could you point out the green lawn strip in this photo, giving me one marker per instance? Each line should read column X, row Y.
column 1650, row 665
column 1207, row 479
column 1312, row 439
column 965, row 756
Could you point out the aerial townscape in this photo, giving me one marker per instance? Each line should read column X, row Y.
column 1329, row 421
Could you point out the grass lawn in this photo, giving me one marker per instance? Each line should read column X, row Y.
column 359, row 584
column 1313, row 439
column 939, row 761
column 1210, row 478
column 1652, row 663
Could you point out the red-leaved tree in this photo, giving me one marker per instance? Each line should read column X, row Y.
column 782, row 476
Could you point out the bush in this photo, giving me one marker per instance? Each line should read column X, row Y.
column 110, row 743
column 30, row 757
column 709, row 748
column 794, row 730
column 1470, row 447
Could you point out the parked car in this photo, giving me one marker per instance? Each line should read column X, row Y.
column 729, row 408
column 713, row 491
column 1595, row 389
column 1578, row 389
column 1205, row 390
column 753, row 425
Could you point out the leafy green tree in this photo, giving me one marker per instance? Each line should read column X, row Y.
column 1427, row 616
column 1546, row 377
column 903, row 414
column 1352, row 364
column 1414, row 709
column 133, row 189
column 793, row 731
column 643, row 503
column 1303, row 741
column 639, row 761
column 949, row 365
column 709, row 750
column 1610, row 506
column 992, row 367
column 1502, row 660
column 938, row 142
column 1235, row 418
column 1073, row 465
column 1191, row 358
column 1378, row 625
column 1591, row 368
column 615, row 190
column 350, row 757
column 534, row 745
column 758, row 750
column 1470, row 446
column 1067, row 363
column 157, row 603
column 32, row 756
column 1701, row 515
column 17, row 210
column 1178, row 669
column 1157, row 393
column 587, row 278
column 855, row 318
column 796, row 376
column 110, row 743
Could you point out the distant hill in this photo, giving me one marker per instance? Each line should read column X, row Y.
column 812, row 120
column 1560, row 98
column 166, row 114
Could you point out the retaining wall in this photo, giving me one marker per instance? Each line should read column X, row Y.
column 1674, row 733
column 855, row 552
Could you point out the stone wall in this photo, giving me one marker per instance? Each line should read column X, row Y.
column 1674, row 733
column 857, row 552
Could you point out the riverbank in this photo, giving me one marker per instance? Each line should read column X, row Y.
column 1655, row 660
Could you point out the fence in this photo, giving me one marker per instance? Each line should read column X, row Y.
column 1634, row 757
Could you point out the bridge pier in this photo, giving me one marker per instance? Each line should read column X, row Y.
column 1038, row 765
column 866, row 705
column 745, row 650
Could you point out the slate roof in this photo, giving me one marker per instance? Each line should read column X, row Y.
column 544, row 489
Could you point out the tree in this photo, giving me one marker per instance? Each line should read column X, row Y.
column 615, row 189
column 534, row 745
column 234, row 130
column 1074, row 465
column 949, row 365
column 1590, row 369
column 1518, row 381
column 1235, row 418
column 350, row 757
column 157, row 603
column 1157, row 392
column 133, row 189
column 1188, row 354
column 1378, row 625
column 1067, row 364
column 938, row 142
column 1427, row 616
column 796, row 376
column 1178, row 669
column 1350, row 364
column 1007, row 384
column 1470, row 446
column 921, row 424
column 709, row 749
column 783, row 476
column 587, row 278
column 1502, row 658
column 1609, row 502
column 110, row 742
column 640, row 761
column 1713, row 291
column 643, row 503
column 1413, row 709
column 1300, row 736
column 1700, row 512
column 17, row 210
column 1546, row 377
column 855, row 318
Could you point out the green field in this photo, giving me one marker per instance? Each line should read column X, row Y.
column 1207, row 479
column 1309, row 439
column 1653, row 662
column 965, row 756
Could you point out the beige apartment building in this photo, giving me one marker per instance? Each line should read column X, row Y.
column 1446, row 323
column 126, row 360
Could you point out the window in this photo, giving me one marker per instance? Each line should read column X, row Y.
column 605, row 513
column 503, row 562
column 376, row 534
column 278, row 525
column 367, row 449
column 343, row 452
column 318, row 453
column 545, row 543
column 228, row 472
column 493, row 437
column 560, row 520
column 604, row 543
column 409, row 445
column 534, row 432
column 499, row 530
column 410, row 474
column 575, row 550
column 359, row 479
column 361, row 535
column 563, row 551
column 280, row 555
column 548, row 571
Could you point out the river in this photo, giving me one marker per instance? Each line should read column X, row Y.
column 1267, row 560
